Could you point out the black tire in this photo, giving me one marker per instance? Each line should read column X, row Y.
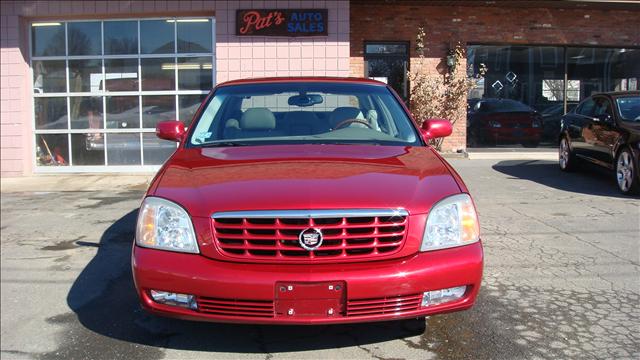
column 566, row 158
column 626, row 172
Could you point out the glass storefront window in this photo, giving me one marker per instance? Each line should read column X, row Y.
column 100, row 87
column 123, row 149
column 87, row 149
column 49, row 76
column 51, row 113
column 194, row 35
column 47, row 39
column 534, row 77
column 85, row 75
column 86, row 112
column 599, row 69
column 120, row 37
column 400, row 49
column 156, row 108
column 158, row 74
column 123, row 112
column 52, row 150
column 195, row 73
column 121, row 74
column 84, row 38
column 157, row 36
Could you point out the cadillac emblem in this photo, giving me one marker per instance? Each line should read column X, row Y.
column 310, row 239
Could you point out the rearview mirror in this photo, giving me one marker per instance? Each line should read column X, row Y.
column 436, row 128
column 170, row 130
column 305, row 100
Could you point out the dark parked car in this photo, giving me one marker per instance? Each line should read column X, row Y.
column 604, row 129
column 503, row 121
column 551, row 117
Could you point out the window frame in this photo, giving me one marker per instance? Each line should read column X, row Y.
column 103, row 93
column 582, row 104
column 617, row 111
column 603, row 100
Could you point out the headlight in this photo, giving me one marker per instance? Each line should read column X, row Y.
column 165, row 225
column 451, row 222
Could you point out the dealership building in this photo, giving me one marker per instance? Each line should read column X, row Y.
column 83, row 83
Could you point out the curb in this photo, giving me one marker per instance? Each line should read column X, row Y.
column 547, row 155
column 456, row 155
column 76, row 182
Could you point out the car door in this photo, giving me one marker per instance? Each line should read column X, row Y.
column 579, row 128
column 605, row 131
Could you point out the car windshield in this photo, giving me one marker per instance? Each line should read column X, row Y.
column 629, row 108
column 303, row 113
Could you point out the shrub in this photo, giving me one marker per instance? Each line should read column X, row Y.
column 440, row 95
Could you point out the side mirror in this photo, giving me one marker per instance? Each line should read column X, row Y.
column 170, row 130
column 436, row 128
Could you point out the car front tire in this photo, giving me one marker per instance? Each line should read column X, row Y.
column 626, row 173
column 566, row 158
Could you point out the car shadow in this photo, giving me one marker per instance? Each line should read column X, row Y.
column 104, row 300
column 587, row 179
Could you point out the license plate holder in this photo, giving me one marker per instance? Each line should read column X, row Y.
column 310, row 299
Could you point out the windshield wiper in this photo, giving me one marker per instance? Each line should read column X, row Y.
column 224, row 144
column 348, row 143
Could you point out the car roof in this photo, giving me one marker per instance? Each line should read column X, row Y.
column 329, row 79
column 498, row 100
column 618, row 93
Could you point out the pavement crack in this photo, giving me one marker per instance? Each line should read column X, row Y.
column 577, row 237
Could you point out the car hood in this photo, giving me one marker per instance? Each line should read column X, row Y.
column 208, row 180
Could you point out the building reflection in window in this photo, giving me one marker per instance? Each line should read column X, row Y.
column 534, row 77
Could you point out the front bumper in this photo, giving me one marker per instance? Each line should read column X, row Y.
column 387, row 288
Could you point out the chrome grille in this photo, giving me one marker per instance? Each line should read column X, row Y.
column 386, row 305
column 274, row 234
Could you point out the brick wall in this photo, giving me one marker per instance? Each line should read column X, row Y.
column 235, row 57
column 445, row 25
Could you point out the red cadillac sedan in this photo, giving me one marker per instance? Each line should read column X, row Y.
column 306, row 201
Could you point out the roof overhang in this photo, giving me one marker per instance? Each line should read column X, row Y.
column 571, row 4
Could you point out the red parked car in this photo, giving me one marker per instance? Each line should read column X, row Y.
column 306, row 201
column 493, row 122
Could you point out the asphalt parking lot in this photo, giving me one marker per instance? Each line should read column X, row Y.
column 562, row 280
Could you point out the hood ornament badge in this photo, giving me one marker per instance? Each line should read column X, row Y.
column 310, row 239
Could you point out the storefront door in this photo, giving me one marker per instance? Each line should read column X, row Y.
column 388, row 62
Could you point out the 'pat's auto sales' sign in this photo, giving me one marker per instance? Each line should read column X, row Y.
column 284, row 22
